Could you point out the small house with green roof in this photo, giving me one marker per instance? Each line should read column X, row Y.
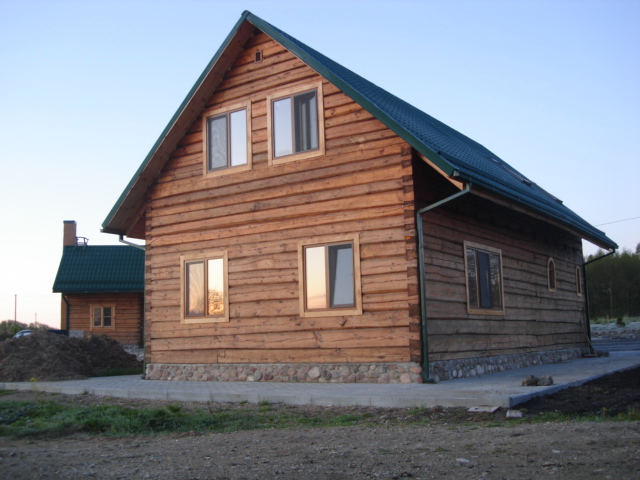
column 303, row 224
column 102, row 288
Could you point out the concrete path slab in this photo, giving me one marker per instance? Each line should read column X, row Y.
column 499, row 389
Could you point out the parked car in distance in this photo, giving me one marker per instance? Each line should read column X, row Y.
column 22, row 333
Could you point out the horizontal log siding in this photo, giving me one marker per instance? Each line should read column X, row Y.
column 127, row 316
column 535, row 319
column 362, row 185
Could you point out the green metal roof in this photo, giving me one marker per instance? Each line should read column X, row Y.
column 100, row 269
column 454, row 153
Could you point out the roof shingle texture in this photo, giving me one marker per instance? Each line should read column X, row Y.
column 470, row 160
column 100, row 269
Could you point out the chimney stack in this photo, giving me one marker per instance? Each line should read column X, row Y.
column 69, row 235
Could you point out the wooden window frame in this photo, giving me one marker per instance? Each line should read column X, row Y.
column 477, row 309
column 203, row 256
column 356, row 309
column 101, row 326
column 578, row 281
column 552, row 278
column 289, row 93
column 215, row 112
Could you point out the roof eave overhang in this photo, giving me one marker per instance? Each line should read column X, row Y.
column 130, row 205
column 519, row 207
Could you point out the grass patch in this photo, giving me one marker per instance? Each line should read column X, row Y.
column 51, row 420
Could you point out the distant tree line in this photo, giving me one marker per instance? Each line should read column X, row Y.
column 613, row 284
column 8, row 328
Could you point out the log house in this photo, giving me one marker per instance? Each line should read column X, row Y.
column 102, row 289
column 302, row 224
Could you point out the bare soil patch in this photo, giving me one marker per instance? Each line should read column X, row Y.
column 46, row 356
column 609, row 395
column 393, row 444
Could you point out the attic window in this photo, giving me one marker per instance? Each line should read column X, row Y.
column 258, row 57
column 226, row 140
column 295, row 118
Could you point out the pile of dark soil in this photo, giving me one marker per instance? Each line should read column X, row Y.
column 609, row 395
column 46, row 356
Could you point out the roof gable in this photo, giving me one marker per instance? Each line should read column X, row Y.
column 93, row 269
column 452, row 152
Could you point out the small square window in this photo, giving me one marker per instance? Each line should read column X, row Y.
column 102, row 316
column 295, row 119
column 483, row 266
column 330, row 277
column 204, row 288
column 227, row 145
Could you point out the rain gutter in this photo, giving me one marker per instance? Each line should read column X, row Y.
column 423, row 296
column 131, row 244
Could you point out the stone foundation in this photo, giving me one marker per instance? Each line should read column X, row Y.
column 471, row 367
column 408, row 372
column 311, row 373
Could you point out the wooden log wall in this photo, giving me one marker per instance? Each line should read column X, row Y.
column 127, row 316
column 535, row 318
column 363, row 185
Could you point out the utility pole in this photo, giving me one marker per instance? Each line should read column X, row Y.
column 15, row 309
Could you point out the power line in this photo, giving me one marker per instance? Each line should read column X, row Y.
column 617, row 221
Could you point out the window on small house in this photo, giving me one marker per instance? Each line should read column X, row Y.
column 551, row 275
column 330, row 277
column 295, row 119
column 483, row 267
column 102, row 316
column 226, row 140
column 204, row 290
column 578, row 281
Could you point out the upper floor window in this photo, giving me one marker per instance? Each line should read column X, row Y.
column 227, row 144
column 483, row 267
column 102, row 316
column 295, row 118
column 551, row 275
column 330, row 277
column 204, row 288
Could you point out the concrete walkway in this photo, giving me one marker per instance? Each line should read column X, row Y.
column 497, row 389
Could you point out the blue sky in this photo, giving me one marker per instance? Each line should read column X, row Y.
column 552, row 87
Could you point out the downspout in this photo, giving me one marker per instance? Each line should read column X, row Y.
column 423, row 296
column 131, row 244
column 586, row 296
column 66, row 315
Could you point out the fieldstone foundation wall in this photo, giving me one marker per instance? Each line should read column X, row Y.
column 471, row 367
column 356, row 373
column 313, row 373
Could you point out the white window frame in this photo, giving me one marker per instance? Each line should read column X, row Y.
column 204, row 257
column 290, row 93
column 356, row 308
column 476, row 308
column 216, row 112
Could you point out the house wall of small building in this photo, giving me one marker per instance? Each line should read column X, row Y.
column 127, row 315
column 535, row 319
column 362, row 185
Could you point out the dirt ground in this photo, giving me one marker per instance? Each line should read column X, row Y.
column 452, row 444
column 46, row 356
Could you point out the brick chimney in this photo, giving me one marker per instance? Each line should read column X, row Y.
column 69, row 235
